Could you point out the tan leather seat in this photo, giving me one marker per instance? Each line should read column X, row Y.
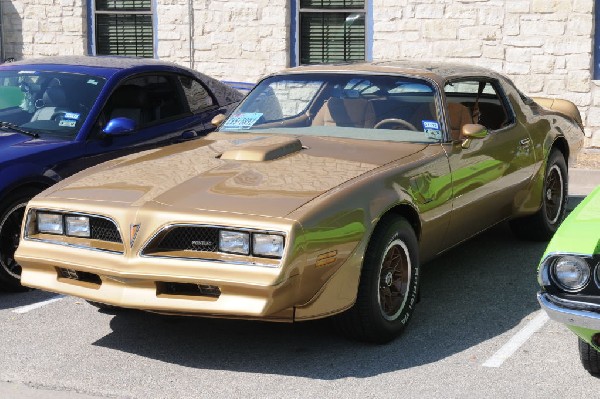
column 459, row 116
column 347, row 112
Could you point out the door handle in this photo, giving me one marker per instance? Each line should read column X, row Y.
column 524, row 142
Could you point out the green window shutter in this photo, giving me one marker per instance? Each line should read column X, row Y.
column 124, row 27
column 124, row 34
column 331, row 36
column 123, row 5
column 340, row 4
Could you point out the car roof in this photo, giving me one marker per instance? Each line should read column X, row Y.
column 437, row 71
column 107, row 64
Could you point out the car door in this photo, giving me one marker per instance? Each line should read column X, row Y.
column 490, row 175
column 165, row 108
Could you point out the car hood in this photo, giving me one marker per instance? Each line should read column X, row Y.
column 256, row 174
column 17, row 145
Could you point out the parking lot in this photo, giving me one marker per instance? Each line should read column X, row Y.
column 477, row 331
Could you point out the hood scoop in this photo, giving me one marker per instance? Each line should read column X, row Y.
column 268, row 150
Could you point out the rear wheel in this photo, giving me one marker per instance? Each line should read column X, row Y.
column 542, row 225
column 11, row 219
column 388, row 287
column 590, row 358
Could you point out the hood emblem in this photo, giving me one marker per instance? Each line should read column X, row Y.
column 133, row 230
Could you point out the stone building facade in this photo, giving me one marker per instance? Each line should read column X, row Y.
column 545, row 46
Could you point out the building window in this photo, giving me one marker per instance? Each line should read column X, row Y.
column 123, row 27
column 329, row 31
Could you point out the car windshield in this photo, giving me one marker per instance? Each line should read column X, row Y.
column 368, row 107
column 47, row 103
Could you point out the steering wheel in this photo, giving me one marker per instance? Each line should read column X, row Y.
column 394, row 124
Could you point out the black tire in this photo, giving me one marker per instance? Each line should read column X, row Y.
column 542, row 225
column 11, row 220
column 590, row 358
column 388, row 288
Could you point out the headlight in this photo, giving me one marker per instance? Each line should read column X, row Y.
column 78, row 226
column 50, row 223
column 571, row 273
column 234, row 241
column 267, row 245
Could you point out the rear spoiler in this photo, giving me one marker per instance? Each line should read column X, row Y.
column 565, row 107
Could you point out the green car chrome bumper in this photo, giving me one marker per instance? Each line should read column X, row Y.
column 571, row 313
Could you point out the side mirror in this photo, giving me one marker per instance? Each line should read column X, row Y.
column 118, row 126
column 217, row 120
column 472, row 131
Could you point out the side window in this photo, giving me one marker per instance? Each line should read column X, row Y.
column 477, row 101
column 147, row 100
column 197, row 97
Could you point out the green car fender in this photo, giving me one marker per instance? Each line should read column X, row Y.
column 579, row 233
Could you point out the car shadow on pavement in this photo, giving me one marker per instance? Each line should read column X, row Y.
column 471, row 294
column 9, row 300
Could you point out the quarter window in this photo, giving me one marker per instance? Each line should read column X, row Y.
column 123, row 27
column 197, row 96
column 331, row 31
column 477, row 101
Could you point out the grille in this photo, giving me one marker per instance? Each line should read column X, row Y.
column 189, row 238
column 104, row 230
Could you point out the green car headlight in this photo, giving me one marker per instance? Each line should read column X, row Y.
column 78, row 226
column 237, row 242
column 571, row 273
column 270, row 245
column 50, row 223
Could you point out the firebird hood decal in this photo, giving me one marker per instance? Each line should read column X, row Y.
column 193, row 175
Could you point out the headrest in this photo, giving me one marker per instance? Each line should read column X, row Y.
column 54, row 97
column 129, row 96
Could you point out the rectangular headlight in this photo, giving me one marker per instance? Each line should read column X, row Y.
column 234, row 241
column 267, row 245
column 78, row 226
column 50, row 223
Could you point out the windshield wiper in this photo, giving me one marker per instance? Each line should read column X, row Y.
column 16, row 128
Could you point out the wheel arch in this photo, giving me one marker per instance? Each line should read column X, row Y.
column 38, row 184
column 408, row 212
column 561, row 145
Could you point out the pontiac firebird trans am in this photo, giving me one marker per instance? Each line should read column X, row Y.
column 320, row 195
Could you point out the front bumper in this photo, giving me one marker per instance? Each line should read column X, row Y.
column 138, row 283
column 570, row 313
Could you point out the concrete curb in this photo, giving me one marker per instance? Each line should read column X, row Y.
column 583, row 181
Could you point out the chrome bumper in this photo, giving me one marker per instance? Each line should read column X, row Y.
column 579, row 314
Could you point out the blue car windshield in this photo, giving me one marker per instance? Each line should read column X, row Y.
column 47, row 103
column 348, row 105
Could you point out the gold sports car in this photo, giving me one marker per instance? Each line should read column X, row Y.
column 320, row 195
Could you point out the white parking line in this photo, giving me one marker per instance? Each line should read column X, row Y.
column 513, row 344
column 28, row 308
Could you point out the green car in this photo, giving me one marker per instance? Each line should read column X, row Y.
column 569, row 275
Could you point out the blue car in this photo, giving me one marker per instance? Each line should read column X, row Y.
column 61, row 115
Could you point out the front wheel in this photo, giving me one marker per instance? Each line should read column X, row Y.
column 11, row 219
column 590, row 358
column 542, row 225
column 387, row 291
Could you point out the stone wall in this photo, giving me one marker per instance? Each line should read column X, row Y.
column 233, row 40
column 43, row 27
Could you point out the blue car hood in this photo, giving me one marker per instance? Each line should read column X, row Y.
column 17, row 145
